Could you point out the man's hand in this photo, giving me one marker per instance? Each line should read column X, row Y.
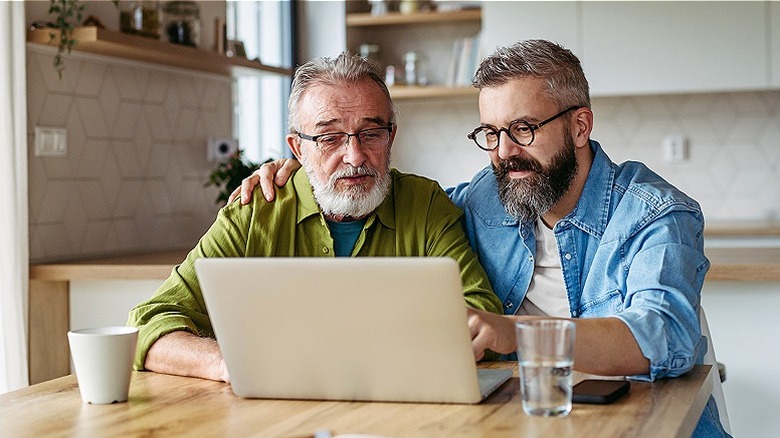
column 491, row 331
column 603, row 346
column 223, row 371
column 276, row 172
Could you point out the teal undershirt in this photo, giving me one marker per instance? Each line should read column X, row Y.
column 345, row 235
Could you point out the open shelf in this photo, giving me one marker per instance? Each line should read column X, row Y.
column 400, row 31
column 395, row 18
column 91, row 39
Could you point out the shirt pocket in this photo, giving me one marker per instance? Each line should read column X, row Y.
column 605, row 304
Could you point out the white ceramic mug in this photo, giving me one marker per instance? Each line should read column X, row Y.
column 103, row 361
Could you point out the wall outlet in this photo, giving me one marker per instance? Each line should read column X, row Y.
column 221, row 148
column 675, row 149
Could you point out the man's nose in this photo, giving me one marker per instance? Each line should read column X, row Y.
column 506, row 146
column 353, row 152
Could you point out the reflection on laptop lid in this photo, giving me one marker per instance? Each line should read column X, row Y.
column 372, row 328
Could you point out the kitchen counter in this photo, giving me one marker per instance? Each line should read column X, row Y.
column 49, row 297
column 728, row 264
column 133, row 267
column 743, row 251
column 755, row 229
column 744, row 264
column 732, row 259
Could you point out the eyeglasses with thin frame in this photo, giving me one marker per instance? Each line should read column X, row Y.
column 368, row 138
column 521, row 132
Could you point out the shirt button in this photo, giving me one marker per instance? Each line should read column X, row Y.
column 325, row 250
column 509, row 305
column 567, row 256
column 530, row 258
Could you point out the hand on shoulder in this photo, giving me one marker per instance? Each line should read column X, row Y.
column 275, row 173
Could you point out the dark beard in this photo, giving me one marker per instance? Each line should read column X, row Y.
column 528, row 198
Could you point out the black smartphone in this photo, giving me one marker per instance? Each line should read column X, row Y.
column 599, row 391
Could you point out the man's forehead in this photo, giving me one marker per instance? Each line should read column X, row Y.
column 336, row 121
column 522, row 98
column 363, row 92
column 327, row 105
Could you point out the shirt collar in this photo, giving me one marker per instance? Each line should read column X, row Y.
column 591, row 213
column 485, row 203
column 386, row 210
column 307, row 205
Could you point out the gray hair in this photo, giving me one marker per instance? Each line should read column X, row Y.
column 347, row 68
column 561, row 70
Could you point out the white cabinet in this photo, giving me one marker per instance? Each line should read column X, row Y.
column 652, row 47
column 504, row 23
column 743, row 322
column 661, row 47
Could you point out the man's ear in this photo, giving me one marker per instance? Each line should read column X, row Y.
column 582, row 125
column 294, row 143
column 392, row 135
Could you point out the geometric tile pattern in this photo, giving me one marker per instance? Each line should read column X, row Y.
column 733, row 167
column 133, row 177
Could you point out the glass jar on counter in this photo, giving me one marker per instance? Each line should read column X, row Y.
column 181, row 22
column 140, row 18
column 369, row 51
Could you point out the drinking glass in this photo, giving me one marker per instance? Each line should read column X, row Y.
column 545, row 353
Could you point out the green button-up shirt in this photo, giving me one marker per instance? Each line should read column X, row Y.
column 416, row 219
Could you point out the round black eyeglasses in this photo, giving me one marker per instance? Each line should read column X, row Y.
column 521, row 132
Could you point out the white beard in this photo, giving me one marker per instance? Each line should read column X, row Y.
column 355, row 201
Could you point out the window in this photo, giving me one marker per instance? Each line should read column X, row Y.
column 260, row 102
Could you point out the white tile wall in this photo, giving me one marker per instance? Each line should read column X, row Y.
column 432, row 141
column 733, row 168
column 133, row 178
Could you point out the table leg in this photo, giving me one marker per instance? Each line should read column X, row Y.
column 49, row 322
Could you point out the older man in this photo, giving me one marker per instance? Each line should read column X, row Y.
column 347, row 202
column 563, row 231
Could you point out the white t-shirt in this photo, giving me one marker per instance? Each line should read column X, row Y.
column 547, row 293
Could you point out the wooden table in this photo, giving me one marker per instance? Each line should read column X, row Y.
column 162, row 405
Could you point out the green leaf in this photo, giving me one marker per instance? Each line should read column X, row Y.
column 65, row 12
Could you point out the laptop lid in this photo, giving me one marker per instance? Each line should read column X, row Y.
column 372, row 328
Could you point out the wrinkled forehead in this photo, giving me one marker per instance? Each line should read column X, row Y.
column 345, row 102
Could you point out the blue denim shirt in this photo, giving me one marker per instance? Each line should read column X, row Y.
column 632, row 248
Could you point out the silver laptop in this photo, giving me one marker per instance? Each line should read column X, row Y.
column 371, row 329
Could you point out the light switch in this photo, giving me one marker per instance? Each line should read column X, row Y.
column 50, row 141
column 675, row 149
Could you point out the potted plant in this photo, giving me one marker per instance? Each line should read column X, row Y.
column 229, row 173
column 67, row 15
